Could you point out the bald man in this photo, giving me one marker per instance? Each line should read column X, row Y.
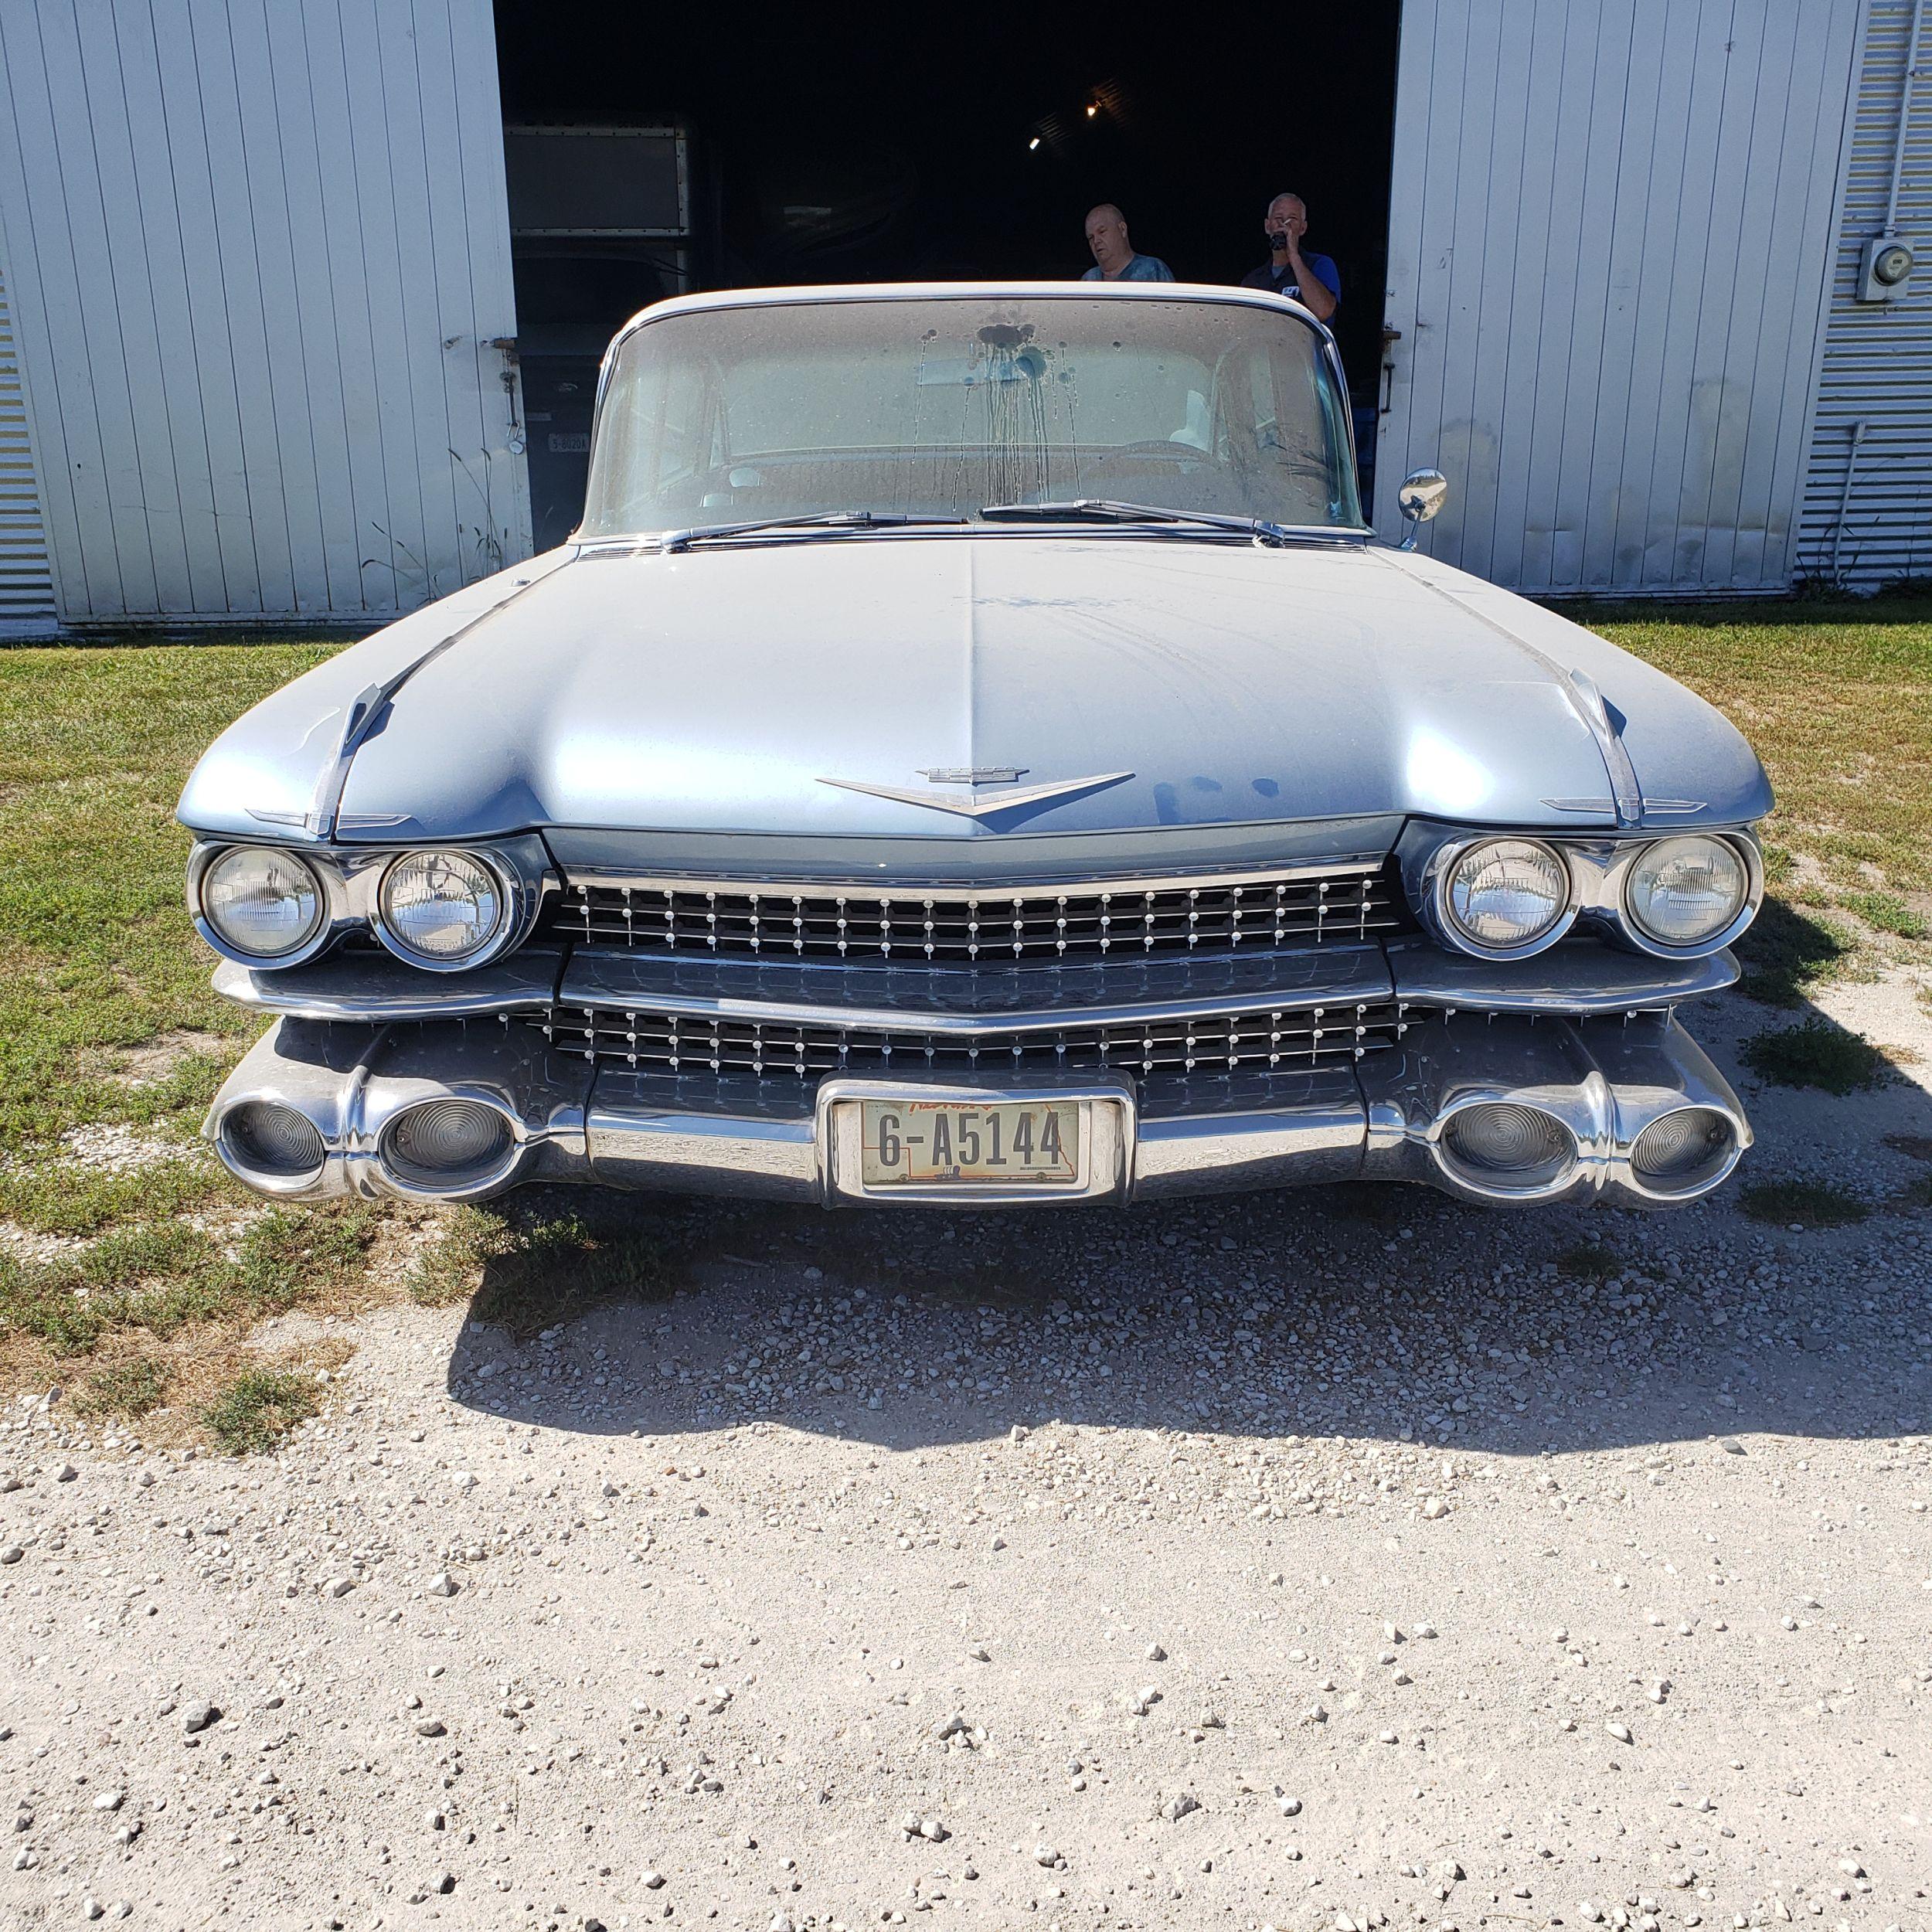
column 1114, row 259
column 1310, row 279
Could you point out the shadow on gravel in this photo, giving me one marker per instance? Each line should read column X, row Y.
column 1369, row 1312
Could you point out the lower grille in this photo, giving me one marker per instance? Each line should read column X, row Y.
column 1343, row 906
column 1259, row 1042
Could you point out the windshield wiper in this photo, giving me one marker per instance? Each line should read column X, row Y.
column 822, row 520
column 1105, row 510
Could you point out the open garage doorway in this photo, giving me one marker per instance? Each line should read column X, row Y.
column 656, row 150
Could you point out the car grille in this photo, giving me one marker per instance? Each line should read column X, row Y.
column 1254, row 1042
column 1338, row 907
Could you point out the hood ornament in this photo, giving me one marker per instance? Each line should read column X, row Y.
column 988, row 807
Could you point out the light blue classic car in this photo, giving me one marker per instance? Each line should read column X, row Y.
column 973, row 750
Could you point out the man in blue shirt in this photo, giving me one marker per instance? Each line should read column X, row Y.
column 1310, row 280
column 1114, row 259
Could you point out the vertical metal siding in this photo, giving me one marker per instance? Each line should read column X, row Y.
column 259, row 252
column 1608, row 236
column 26, row 581
column 1877, row 363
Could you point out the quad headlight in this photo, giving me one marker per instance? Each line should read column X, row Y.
column 1504, row 894
column 441, row 908
column 1684, row 892
column 262, row 903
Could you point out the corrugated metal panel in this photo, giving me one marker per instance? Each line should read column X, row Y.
column 1609, row 230
column 1877, row 364
column 26, row 581
column 260, row 252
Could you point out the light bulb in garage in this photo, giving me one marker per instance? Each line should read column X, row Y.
column 1093, row 108
column 1031, row 145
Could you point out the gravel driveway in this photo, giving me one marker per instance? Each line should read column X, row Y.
column 1337, row 1560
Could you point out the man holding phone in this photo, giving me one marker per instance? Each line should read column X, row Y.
column 1310, row 279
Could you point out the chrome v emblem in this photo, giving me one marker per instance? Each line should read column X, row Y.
column 988, row 807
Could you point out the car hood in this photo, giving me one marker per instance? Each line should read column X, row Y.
column 1163, row 683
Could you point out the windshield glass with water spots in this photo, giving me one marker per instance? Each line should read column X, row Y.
column 937, row 407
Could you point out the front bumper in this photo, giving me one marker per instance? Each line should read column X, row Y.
column 1603, row 1079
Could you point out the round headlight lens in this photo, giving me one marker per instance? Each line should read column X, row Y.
column 1683, row 891
column 262, row 902
column 1506, row 893
column 442, row 906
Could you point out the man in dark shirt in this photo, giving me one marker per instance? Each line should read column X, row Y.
column 1310, row 279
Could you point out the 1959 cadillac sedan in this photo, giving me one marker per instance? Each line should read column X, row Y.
column 973, row 750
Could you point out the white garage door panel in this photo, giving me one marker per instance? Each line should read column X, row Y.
column 259, row 250
column 1607, row 236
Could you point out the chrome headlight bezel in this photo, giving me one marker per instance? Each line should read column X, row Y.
column 1744, row 848
column 351, row 878
column 204, row 860
column 507, row 897
column 1439, row 917
column 1600, row 866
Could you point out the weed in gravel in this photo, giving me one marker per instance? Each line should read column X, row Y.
column 1588, row 1261
column 258, row 1408
column 1914, row 1194
column 1888, row 912
column 1786, row 953
column 1809, row 1204
column 1918, row 1145
column 131, row 1388
column 529, row 1272
column 1819, row 1053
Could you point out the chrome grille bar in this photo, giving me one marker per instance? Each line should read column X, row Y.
column 1261, row 1041
column 1337, row 907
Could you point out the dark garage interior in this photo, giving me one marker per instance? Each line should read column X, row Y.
column 931, row 146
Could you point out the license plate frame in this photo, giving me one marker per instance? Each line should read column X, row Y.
column 1098, row 1167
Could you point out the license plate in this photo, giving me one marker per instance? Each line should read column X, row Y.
column 1034, row 1144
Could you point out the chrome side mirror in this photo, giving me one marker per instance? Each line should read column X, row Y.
column 1422, row 495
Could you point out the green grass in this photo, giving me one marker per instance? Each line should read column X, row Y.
column 259, row 1408
column 1786, row 954
column 1887, row 912
column 1818, row 1053
column 1807, row 1204
column 163, row 1276
column 95, row 952
column 1837, row 699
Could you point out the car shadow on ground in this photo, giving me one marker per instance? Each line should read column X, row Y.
column 1365, row 1310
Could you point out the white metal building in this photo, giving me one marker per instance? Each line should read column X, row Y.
column 258, row 338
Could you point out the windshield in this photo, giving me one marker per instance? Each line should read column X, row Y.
column 939, row 407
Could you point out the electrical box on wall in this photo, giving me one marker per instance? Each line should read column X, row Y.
column 1885, row 269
